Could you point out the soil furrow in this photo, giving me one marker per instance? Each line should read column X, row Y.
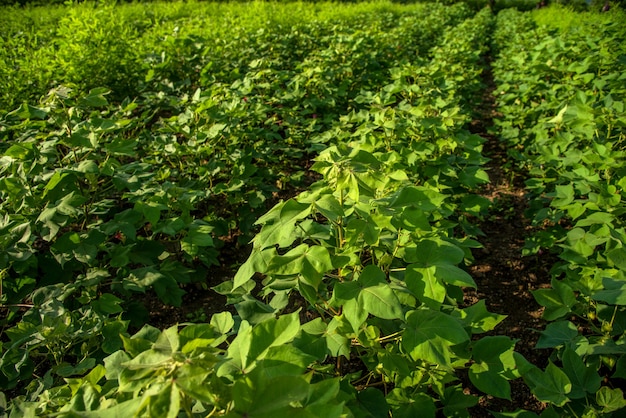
column 504, row 278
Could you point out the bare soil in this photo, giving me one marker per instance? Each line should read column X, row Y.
column 504, row 278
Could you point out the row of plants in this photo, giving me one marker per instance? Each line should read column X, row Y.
column 349, row 302
column 561, row 89
column 125, row 47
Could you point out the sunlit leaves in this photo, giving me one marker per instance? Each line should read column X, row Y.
column 429, row 336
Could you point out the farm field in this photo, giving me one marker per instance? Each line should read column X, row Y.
column 312, row 209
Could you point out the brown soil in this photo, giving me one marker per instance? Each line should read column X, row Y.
column 504, row 278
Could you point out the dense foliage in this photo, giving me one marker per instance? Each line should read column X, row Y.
column 138, row 143
column 561, row 89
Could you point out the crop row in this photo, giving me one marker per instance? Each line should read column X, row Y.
column 561, row 89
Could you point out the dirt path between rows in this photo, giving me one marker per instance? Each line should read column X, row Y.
column 504, row 278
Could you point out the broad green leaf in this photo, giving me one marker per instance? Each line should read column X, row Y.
column 193, row 381
column 372, row 402
column 376, row 296
column 429, row 336
column 494, row 366
column 564, row 195
column 237, row 354
column 552, row 386
column 198, row 236
column 270, row 398
column 283, row 360
column 411, row 406
column 557, row 334
column 23, row 151
column 309, row 262
column 425, row 286
column 415, row 219
column 618, row 257
column 107, row 304
column 614, row 292
column 610, row 400
column 360, row 228
column 585, row 380
column 269, row 334
column 88, row 166
column 479, row 319
column 279, row 224
column 620, row 368
column 114, row 364
column 150, row 210
column 456, row 402
column 166, row 403
column 257, row 262
column 355, row 313
column 95, row 98
column 336, row 340
column 330, row 207
column 223, row 322
column 419, row 197
column 111, row 335
column 429, row 252
column 168, row 342
column 558, row 301
column 128, row 408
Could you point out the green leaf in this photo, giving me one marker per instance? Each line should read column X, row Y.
column 111, row 335
column 494, row 366
column 376, row 296
column 585, row 380
column 95, row 98
column 108, row 304
column 620, row 368
column 557, row 334
column 425, row 285
column 336, row 340
column 124, row 409
column 330, row 207
column 257, row 262
column 429, row 336
column 614, row 292
column 194, row 382
column 271, row 333
column 279, row 224
column 456, row 402
column 166, row 403
column 198, row 236
column 558, row 301
column 564, row 195
column 309, row 262
column 418, row 197
column 372, row 403
column 269, row 398
column 479, row 319
column 552, row 386
column 168, row 341
column 416, row 405
column 430, row 252
column 223, row 322
column 610, row 400
column 114, row 364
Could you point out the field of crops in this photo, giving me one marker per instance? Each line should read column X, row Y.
column 314, row 166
